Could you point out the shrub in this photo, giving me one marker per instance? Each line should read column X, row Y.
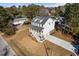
column 9, row 31
column 27, row 22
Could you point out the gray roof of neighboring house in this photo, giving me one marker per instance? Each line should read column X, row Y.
column 19, row 19
column 36, row 28
column 43, row 19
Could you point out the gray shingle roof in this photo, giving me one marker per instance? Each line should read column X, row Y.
column 36, row 28
column 39, row 20
column 43, row 19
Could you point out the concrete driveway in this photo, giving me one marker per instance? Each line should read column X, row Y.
column 64, row 44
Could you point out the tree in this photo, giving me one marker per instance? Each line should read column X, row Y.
column 13, row 10
column 72, row 16
column 58, row 11
column 5, row 17
column 31, row 10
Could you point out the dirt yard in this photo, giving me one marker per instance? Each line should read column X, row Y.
column 24, row 45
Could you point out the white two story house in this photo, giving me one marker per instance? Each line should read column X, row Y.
column 41, row 27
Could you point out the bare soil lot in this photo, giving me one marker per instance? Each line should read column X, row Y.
column 24, row 44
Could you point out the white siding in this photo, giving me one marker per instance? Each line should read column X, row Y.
column 48, row 26
column 19, row 22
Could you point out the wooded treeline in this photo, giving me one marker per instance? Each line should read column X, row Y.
column 70, row 14
column 9, row 13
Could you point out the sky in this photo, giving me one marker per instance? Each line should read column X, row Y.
column 45, row 4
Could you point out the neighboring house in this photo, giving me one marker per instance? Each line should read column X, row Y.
column 19, row 21
column 41, row 27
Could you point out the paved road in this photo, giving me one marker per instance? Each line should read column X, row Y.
column 64, row 44
column 5, row 49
